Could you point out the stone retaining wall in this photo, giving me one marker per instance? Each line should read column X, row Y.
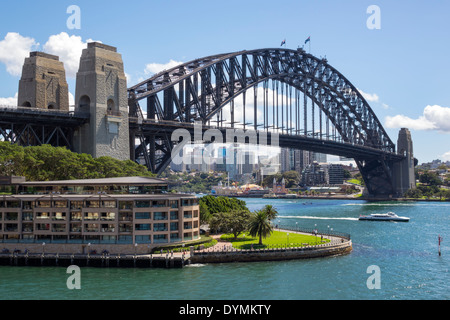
column 272, row 254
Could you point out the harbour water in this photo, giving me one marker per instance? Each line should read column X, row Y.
column 406, row 255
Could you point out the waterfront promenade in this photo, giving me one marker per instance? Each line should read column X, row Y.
column 221, row 252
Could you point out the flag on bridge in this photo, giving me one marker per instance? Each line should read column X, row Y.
column 283, row 43
column 308, row 40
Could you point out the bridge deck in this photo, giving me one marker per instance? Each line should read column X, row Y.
column 10, row 114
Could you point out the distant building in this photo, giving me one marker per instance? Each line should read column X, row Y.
column 335, row 174
column 314, row 174
column 279, row 188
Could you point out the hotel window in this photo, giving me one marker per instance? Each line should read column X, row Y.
column 27, row 205
column 125, row 227
column 159, row 203
column 173, row 204
column 60, row 204
column 108, row 216
column 11, row 227
column 92, row 204
column 91, row 227
column 125, row 216
column 143, row 239
column 75, row 216
column 42, row 215
column 143, row 215
column 76, row 205
column 11, row 216
column 13, row 204
column 173, row 215
column 125, row 239
column 43, row 204
column 59, row 216
column 188, row 214
column 142, row 204
column 160, row 238
column 175, row 237
column 108, row 228
column 109, row 204
column 126, row 205
column 160, row 216
column 43, row 227
column 75, row 228
column 91, row 216
column 1, row 215
column 160, row 227
column 142, row 227
column 173, row 226
column 59, row 228
column 28, row 227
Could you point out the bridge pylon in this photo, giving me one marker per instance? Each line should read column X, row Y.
column 101, row 91
column 43, row 83
column 404, row 177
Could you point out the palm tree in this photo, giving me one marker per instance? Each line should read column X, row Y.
column 259, row 225
column 271, row 212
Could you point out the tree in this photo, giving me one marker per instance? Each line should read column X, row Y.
column 259, row 225
column 234, row 222
column 223, row 204
column 430, row 178
column 271, row 212
column 44, row 163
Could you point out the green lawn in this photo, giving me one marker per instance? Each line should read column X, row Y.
column 276, row 240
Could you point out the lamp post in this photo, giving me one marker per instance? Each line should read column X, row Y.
column 288, row 238
column 43, row 248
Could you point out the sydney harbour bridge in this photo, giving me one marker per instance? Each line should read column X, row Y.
column 303, row 100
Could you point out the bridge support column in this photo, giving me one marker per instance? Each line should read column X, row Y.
column 403, row 173
column 101, row 90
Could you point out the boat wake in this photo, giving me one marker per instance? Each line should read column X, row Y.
column 318, row 218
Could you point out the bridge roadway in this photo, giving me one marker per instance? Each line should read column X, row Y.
column 22, row 115
column 339, row 148
column 10, row 116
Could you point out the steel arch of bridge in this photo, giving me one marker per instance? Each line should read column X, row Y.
column 199, row 91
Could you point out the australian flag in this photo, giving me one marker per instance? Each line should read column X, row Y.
column 283, row 42
column 308, row 40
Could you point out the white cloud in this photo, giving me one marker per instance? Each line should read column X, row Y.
column 402, row 121
column 371, row 97
column 69, row 49
column 446, row 156
column 13, row 51
column 11, row 101
column 153, row 68
column 434, row 118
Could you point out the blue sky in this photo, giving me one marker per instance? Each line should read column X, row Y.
column 402, row 68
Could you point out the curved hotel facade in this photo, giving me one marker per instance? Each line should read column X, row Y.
column 120, row 215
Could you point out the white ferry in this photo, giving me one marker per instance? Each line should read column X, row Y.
column 390, row 216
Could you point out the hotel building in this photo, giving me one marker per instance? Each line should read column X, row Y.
column 120, row 215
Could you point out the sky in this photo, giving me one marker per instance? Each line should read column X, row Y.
column 396, row 55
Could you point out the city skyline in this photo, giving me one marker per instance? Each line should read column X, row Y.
column 383, row 63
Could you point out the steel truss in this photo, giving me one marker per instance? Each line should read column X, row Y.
column 33, row 127
column 309, row 102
